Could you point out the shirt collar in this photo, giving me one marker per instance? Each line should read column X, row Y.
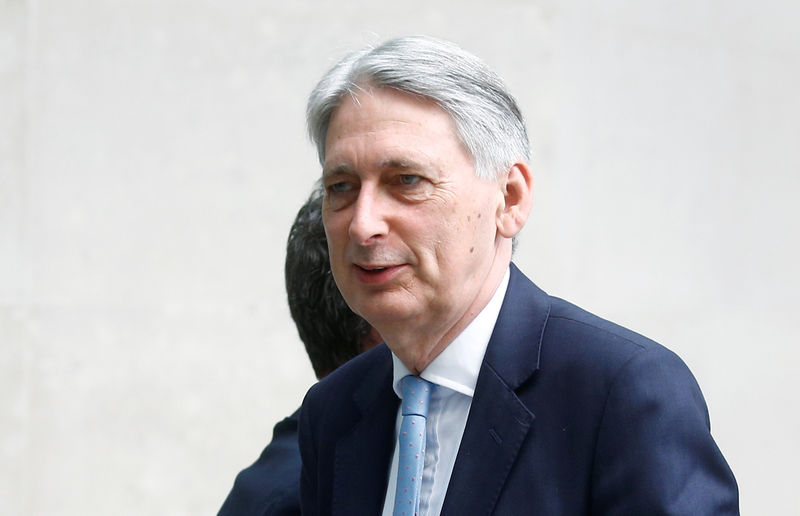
column 457, row 367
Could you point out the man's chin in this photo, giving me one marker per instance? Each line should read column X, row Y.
column 385, row 313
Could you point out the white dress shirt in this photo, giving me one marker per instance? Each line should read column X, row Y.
column 454, row 373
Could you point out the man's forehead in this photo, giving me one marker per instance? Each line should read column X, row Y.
column 383, row 105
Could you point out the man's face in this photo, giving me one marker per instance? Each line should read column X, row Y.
column 411, row 231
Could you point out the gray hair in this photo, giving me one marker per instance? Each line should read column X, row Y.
column 487, row 118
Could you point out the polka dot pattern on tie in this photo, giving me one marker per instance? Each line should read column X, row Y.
column 416, row 394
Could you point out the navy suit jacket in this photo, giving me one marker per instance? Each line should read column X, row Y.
column 571, row 415
column 271, row 485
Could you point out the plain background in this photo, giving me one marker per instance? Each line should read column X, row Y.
column 153, row 155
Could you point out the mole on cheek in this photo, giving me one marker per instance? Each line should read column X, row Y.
column 471, row 249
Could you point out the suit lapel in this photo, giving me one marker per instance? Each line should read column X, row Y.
column 363, row 454
column 498, row 421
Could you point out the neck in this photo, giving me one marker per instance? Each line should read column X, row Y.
column 418, row 347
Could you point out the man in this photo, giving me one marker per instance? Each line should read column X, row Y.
column 534, row 406
column 332, row 335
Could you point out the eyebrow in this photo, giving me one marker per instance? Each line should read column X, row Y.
column 386, row 164
column 403, row 164
column 339, row 168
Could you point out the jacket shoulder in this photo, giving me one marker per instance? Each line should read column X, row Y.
column 567, row 318
column 571, row 328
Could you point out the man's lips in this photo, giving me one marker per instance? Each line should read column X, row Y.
column 376, row 274
column 374, row 268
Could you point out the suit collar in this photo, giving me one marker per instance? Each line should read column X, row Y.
column 366, row 395
column 498, row 421
column 516, row 342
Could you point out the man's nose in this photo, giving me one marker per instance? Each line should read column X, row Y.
column 369, row 223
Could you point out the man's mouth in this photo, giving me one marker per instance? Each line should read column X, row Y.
column 376, row 274
column 373, row 269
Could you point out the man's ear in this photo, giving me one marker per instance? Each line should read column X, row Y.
column 517, row 188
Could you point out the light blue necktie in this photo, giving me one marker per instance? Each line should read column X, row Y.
column 416, row 395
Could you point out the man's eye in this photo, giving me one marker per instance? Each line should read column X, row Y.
column 340, row 187
column 409, row 179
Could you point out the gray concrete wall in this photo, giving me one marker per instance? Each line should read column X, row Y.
column 153, row 155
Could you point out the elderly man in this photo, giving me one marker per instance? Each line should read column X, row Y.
column 489, row 397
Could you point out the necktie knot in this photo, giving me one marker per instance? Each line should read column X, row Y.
column 416, row 395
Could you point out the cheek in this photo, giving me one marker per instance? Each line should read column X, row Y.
column 475, row 222
column 452, row 239
column 335, row 230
